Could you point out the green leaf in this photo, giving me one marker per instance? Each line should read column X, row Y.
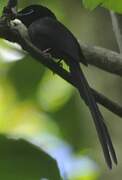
column 109, row 4
column 20, row 160
column 113, row 5
column 2, row 4
column 91, row 4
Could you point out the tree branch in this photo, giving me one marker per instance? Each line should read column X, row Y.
column 107, row 103
column 17, row 32
column 103, row 58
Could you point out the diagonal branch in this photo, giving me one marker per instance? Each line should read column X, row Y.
column 103, row 100
column 36, row 53
column 103, row 58
column 18, row 33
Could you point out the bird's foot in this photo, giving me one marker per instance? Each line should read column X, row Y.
column 60, row 63
column 46, row 53
column 47, row 50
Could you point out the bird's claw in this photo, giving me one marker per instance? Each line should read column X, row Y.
column 60, row 63
column 46, row 53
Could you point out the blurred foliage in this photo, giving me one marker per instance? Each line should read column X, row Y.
column 110, row 4
column 91, row 4
column 2, row 4
column 24, row 81
column 42, row 109
column 21, row 160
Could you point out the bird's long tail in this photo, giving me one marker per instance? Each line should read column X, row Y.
column 102, row 131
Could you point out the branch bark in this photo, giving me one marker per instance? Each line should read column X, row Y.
column 103, row 58
column 17, row 32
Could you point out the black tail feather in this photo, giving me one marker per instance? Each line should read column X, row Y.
column 102, row 131
column 111, row 149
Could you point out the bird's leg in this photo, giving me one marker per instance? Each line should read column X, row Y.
column 46, row 53
column 46, row 50
column 60, row 63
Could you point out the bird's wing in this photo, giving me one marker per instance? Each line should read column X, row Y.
column 50, row 33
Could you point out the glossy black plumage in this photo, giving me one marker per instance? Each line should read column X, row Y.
column 46, row 32
column 33, row 12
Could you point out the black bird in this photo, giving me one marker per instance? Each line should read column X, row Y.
column 47, row 33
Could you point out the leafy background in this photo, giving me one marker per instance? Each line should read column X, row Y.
column 109, row 4
column 46, row 130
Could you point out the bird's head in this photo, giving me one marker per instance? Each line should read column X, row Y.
column 33, row 13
